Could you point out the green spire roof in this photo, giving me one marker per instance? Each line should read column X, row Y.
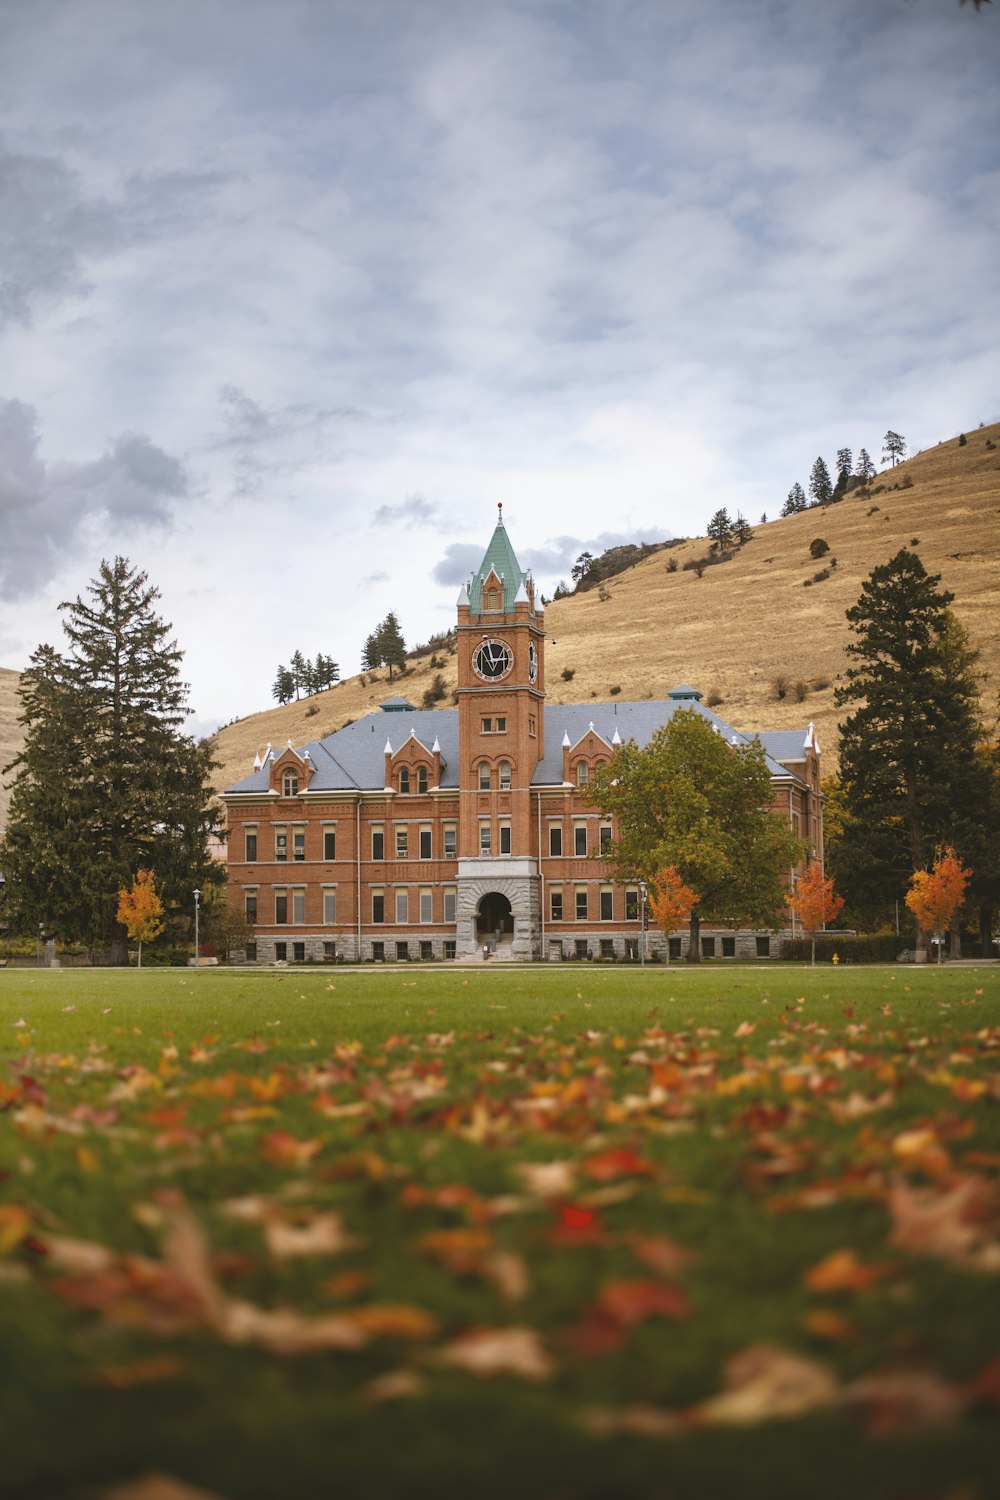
column 499, row 558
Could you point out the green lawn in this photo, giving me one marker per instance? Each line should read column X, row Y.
column 558, row 1233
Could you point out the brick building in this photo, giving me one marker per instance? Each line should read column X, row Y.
column 418, row 834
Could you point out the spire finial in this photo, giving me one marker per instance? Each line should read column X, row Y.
column 499, row 512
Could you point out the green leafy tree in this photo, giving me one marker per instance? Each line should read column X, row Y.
column 106, row 783
column 720, row 530
column 820, row 487
column 894, row 447
column 796, row 501
column 910, row 776
column 689, row 800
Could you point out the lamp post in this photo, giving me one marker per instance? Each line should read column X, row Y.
column 197, row 899
column 642, row 949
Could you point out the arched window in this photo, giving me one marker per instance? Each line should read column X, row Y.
column 404, row 780
column 582, row 773
column 290, row 784
column 505, row 775
column 421, row 778
column 484, row 776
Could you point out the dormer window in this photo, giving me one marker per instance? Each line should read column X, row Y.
column 421, row 779
column 290, row 784
column 404, row 781
column 582, row 773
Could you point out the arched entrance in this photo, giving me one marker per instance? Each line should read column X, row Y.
column 494, row 915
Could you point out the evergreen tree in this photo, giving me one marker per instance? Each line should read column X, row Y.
column 844, row 461
column 298, row 667
column 689, row 800
column 820, row 487
column 865, row 470
column 284, row 685
column 796, row 501
column 910, row 778
column 106, row 783
column 742, row 530
column 894, row 447
column 720, row 530
column 391, row 644
column 371, row 653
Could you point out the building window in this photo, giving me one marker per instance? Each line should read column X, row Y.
column 450, row 841
column 421, row 778
column 290, row 784
column 581, row 903
column 425, row 843
column 329, row 952
column 426, row 906
column 280, row 953
column 605, row 837
column 402, row 906
column 403, row 950
column 404, row 780
column 378, row 952
column 449, row 904
column 378, row 842
column 250, row 906
column 280, row 908
column 402, row 843
column 582, row 948
column 631, row 906
column 426, row 949
column 632, row 950
column 729, row 947
column 298, row 953
column 607, row 947
column 674, row 947
column 298, row 843
column 484, row 777
column 708, row 947
column 329, row 908
column 582, row 773
column 251, row 953
column 329, row 843
column 251, row 845
column 763, row 947
column 280, row 845
column 501, row 725
column 579, row 838
column 485, row 840
column 532, row 731
column 555, row 839
column 487, row 726
column 378, row 906
column 450, row 947
column 504, row 838
column 555, row 905
column 298, row 907
column 505, row 775
column 607, row 904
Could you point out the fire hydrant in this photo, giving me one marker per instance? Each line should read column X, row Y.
column 836, row 958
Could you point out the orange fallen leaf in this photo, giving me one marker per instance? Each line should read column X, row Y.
column 827, row 1324
column 15, row 1226
column 393, row 1320
column 631, row 1302
column 843, row 1272
column 620, row 1161
column 157, row 1487
column 286, row 1150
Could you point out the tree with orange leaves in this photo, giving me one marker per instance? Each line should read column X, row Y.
column 670, row 902
column 140, row 910
column 813, row 902
column 934, row 894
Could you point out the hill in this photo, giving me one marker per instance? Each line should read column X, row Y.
column 737, row 631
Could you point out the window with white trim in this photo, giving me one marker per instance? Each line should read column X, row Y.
column 402, row 906
column 329, row 907
column 298, row 907
column 426, row 906
column 329, row 843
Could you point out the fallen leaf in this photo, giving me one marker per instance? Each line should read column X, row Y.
column 286, row 1150
column 394, row 1385
column 843, row 1272
column 322, row 1235
column 905, row 1402
column 950, row 1225
column 547, row 1179
column 485, row 1352
column 147, row 1371
column 639, row 1420
column 157, row 1487
column 825, row 1323
column 285, row 1331
column 393, row 1320
column 618, row 1162
column 660, row 1253
column 765, row 1382
column 631, row 1302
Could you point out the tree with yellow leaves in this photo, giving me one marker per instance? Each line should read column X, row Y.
column 813, row 902
column 935, row 894
column 140, row 910
column 671, row 902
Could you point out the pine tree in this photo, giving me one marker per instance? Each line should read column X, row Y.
column 894, row 447
column 820, row 487
column 865, row 470
column 105, row 782
column 844, row 461
column 371, row 653
column 284, row 685
column 796, row 501
column 910, row 777
column 720, row 530
column 298, row 669
column 742, row 530
column 391, row 644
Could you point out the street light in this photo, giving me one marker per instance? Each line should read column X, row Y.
column 197, row 899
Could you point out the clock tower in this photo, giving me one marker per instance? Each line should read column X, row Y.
column 501, row 695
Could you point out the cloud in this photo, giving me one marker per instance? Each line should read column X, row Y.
column 374, row 578
column 460, row 560
column 413, row 511
column 45, row 509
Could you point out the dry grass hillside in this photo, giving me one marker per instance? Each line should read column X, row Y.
column 735, row 631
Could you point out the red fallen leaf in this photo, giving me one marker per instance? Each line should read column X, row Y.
column 577, row 1226
column 906, row 1401
column 843, row 1272
column 167, row 1117
column 594, row 1337
column 660, row 1253
column 629, row 1303
column 620, row 1161
column 286, row 1150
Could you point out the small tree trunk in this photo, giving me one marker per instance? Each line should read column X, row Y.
column 694, row 940
column 813, row 958
column 119, row 952
column 140, row 953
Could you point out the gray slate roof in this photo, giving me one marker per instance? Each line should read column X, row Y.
column 353, row 758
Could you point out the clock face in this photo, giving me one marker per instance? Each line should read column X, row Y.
column 532, row 662
column 492, row 660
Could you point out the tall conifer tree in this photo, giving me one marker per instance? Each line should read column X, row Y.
column 106, row 783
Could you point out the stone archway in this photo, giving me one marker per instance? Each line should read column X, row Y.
column 495, row 914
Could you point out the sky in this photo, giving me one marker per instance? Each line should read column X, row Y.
column 294, row 292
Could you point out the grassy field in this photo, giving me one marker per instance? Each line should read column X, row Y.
column 554, row 1234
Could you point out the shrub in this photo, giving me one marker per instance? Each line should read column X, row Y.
column 990, row 444
column 914, row 541
column 714, row 698
column 671, row 565
column 568, row 673
column 312, row 709
column 818, row 547
column 872, row 509
column 820, row 683
column 696, row 565
column 961, row 439
column 801, row 690
column 906, row 483
column 614, row 691
column 780, row 686
column 855, row 948
column 603, row 594
column 820, row 577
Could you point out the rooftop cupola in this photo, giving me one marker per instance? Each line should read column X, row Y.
column 499, row 582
